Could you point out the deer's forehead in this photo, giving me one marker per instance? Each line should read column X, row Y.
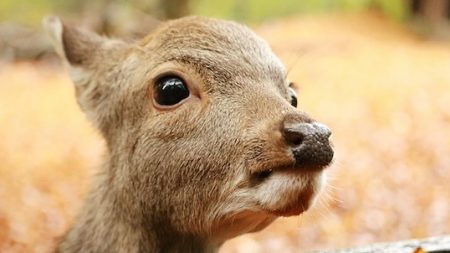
column 221, row 49
column 208, row 33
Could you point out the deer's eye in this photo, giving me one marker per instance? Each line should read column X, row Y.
column 170, row 90
column 293, row 97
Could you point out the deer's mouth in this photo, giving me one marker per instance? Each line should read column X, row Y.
column 267, row 172
column 263, row 174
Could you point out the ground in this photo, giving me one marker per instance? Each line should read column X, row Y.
column 384, row 92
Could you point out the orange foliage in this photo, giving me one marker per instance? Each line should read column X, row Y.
column 384, row 93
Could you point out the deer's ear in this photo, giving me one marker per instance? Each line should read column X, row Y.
column 76, row 46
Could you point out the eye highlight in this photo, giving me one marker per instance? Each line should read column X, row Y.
column 293, row 97
column 170, row 90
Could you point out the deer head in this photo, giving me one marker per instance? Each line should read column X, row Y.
column 204, row 138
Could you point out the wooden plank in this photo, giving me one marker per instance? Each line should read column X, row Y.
column 440, row 244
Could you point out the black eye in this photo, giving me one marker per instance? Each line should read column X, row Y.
column 170, row 90
column 293, row 97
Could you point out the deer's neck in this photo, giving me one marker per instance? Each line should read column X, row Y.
column 112, row 220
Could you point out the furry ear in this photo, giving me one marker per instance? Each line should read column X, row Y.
column 85, row 53
column 74, row 45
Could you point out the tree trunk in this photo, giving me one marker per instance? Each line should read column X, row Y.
column 174, row 8
column 435, row 11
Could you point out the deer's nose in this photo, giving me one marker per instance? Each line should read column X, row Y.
column 309, row 142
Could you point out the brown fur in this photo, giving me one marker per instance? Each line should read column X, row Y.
column 182, row 180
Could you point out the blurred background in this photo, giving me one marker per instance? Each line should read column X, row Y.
column 376, row 71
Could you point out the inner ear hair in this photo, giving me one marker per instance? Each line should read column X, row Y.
column 294, row 86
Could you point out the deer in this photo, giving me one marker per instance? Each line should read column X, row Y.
column 203, row 137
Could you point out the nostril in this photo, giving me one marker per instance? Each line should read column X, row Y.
column 293, row 136
column 296, row 140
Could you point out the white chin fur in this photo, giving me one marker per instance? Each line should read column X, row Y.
column 251, row 209
column 284, row 188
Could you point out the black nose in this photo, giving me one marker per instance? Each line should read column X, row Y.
column 309, row 144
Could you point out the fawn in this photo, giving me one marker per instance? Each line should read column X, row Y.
column 203, row 137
